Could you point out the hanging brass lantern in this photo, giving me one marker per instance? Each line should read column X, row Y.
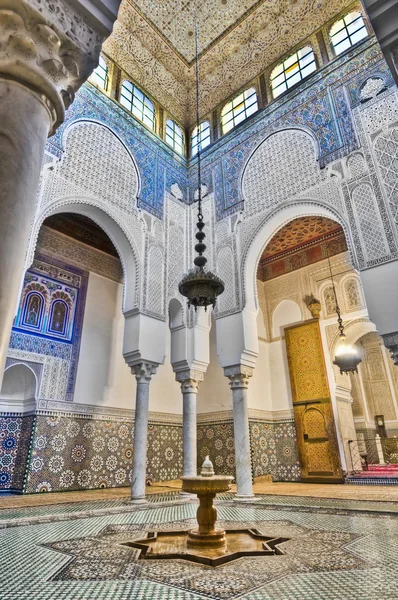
column 201, row 287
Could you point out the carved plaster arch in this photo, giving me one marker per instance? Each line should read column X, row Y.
column 268, row 226
column 69, row 125
column 310, row 132
column 114, row 227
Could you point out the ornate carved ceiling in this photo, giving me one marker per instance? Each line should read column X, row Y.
column 299, row 232
column 153, row 41
column 83, row 229
column 300, row 243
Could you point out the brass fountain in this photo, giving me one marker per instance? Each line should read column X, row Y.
column 206, row 486
column 207, row 544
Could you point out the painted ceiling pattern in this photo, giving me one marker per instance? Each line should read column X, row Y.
column 154, row 43
column 299, row 232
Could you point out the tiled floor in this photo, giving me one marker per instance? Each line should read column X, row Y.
column 331, row 555
column 307, row 490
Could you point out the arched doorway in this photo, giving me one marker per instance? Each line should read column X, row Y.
column 77, row 276
column 293, row 267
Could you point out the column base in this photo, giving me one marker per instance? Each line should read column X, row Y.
column 245, row 498
column 139, row 500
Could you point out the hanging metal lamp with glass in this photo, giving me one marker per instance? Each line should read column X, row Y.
column 199, row 286
column 346, row 356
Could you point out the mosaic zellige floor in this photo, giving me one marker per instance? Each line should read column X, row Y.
column 328, row 557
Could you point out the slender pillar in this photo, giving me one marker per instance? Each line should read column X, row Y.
column 189, row 380
column 41, row 68
column 238, row 376
column 143, row 374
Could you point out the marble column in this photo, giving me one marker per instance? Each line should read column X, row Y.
column 143, row 374
column 189, row 387
column 40, row 70
column 238, row 376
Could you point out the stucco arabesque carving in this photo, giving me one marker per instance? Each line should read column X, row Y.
column 41, row 57
column 119, row 216
column 143, row 371
column 189, row 380
column 238, row 376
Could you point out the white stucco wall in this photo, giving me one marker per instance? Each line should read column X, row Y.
column 103, row 377
column 214, row 392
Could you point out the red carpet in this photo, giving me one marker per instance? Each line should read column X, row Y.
column 380, row 471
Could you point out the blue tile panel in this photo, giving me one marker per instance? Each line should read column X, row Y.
column 273, row 448
column 41, row 340
column 321, row 105
column 152, row 157
column 15, row 441
column 76, row 453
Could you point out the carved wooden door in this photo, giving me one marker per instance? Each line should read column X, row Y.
column 313, row 411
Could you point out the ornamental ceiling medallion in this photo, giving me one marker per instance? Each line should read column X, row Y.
column 153, row 41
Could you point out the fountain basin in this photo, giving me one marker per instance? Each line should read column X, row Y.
column 203, row 485
column 175, row 545
column 206, row 487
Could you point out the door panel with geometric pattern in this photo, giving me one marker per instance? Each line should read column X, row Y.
column 313, row 411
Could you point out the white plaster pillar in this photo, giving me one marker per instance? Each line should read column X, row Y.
column 41, row 67
column 238, row 376
column 189, row 387
column 143, row 374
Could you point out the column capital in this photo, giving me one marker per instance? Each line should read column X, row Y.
column 391, row 343
column 189, row 379
column 238, row 375
column 143, row 371
column 41, row 56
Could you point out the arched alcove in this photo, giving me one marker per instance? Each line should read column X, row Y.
column 286, row 313
column 176, row 318
column 113, row 229
column 19, row 387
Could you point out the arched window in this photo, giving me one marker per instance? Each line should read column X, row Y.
column 137, row 103
column 292, row 70
column 236, row 111
column 174, row 136
column 200, row 137
column 58, row 317
column 348, row 31
column 33, row 310
column 100, row 74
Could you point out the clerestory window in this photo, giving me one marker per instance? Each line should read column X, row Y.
column 292, row 70
column 200, row 137
column 137, row 103
column 238, row 109
column 174, row 136
column 100, row 75
column 348, row 31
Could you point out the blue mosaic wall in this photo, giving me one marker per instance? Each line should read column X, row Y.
column 274, row 450
column 273, row 447
column 49, row 320
column 157, row 164
column 321, row 105
column 60, row 453
column 15, row 438
column 77, row 453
